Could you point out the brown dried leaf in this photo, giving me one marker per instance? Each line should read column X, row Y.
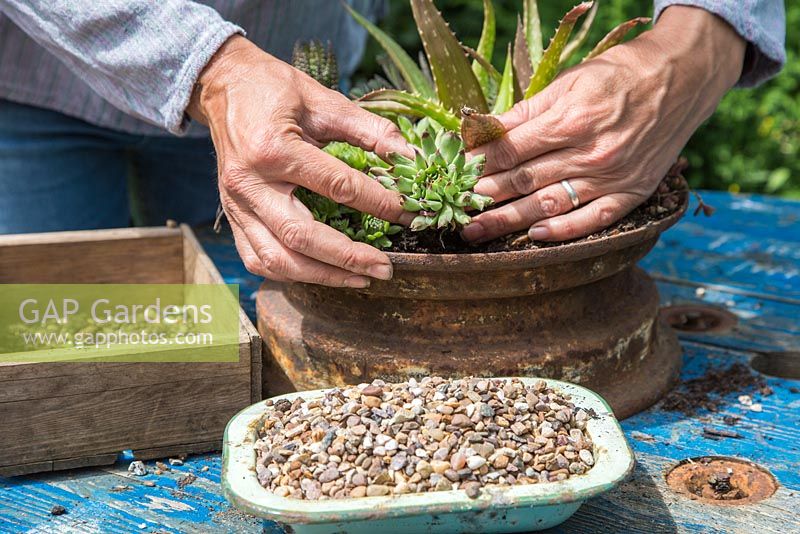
column 479, row 128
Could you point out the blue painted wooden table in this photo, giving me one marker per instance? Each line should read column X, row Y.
column 746, row 259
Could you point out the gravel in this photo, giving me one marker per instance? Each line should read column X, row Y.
column 383, row 439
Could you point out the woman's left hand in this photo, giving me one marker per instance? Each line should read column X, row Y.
column 611, row 127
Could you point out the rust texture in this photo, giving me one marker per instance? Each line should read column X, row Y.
column 784, row 364
column 722, row 481
column 699, row 318
column 580, row 312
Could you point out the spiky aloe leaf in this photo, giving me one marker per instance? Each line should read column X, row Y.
column 387, row 108
column 411, row 73
column 522, row 61
column 456, row 84
column 489, row 69
column 478, row 129
column 533, row 31
column 577, row 41
column 423, row 65
column 548, row 66
column 505, row 93
column 392, row 73
column 418, row 104
column 615, row 36
column 485, row 48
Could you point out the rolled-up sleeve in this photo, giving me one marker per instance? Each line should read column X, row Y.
column 142, row 56
column 762, row 23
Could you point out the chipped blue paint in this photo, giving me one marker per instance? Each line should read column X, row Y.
column 746, row 256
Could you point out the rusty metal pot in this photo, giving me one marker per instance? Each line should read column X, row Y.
column 580, row 312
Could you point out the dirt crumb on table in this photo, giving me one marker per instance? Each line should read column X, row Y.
column 186, row 480
column 707, row 391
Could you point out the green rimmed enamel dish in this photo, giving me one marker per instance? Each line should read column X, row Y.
column 520, row 508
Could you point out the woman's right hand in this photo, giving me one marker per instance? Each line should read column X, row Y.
column 268, row 122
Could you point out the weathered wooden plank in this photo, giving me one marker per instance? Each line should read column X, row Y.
column 750, row 243
column 765, row 324
column 200, row 269
column 184, row 412
column 123, row 256
column 769, row 437
column 93, row 504
column 19, row 382
column 644, row 504
column 175, row 451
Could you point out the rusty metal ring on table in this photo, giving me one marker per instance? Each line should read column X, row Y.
column 573, row 196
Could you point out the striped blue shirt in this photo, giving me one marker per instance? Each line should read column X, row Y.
column 130, row 65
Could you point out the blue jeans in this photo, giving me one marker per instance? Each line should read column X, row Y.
column 61, row 173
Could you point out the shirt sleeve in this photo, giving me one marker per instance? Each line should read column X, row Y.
column 762, row 23
column 142, row 56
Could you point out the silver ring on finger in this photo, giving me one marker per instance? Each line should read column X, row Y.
column 573, row 196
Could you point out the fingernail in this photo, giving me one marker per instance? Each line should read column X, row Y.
column 538, row 233
column 357, row 282
column 406, row 218
column 380, row 271
column 473, row 231
column 481, row 188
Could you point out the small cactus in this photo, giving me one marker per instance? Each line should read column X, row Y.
column 318, row 61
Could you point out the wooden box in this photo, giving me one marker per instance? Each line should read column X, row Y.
column 64, row 415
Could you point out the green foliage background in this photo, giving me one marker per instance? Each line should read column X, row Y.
column 751, row 143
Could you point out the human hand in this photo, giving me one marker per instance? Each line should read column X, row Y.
column 611, row 126
column 268, row 122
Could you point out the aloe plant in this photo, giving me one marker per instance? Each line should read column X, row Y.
column 458, row 83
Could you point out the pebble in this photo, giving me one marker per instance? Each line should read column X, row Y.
column 486, row 411
column 58, row 510
column 461, row 420
column 372, row 391
column 377, row 490
column 431, row 434
column 424, row 468
column 501, row 462
column 440, row 466
column 329, row 475
column 137, row 468
column 311, row 488
column 372, row 402
column 398, row 462
column 358, row 491
column 472, row 489
column 458, row 461
column 476, row 462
